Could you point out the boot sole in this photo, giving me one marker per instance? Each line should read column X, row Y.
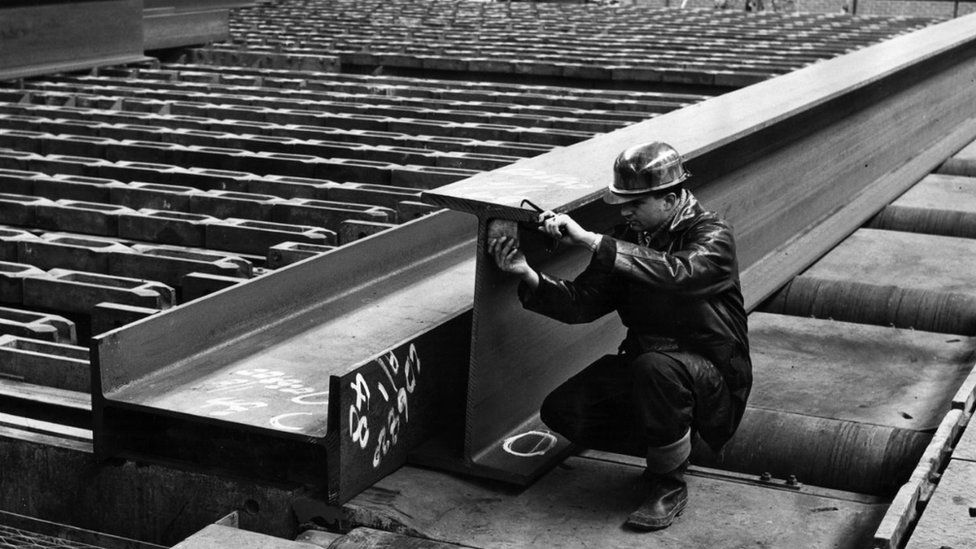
column 651, row 525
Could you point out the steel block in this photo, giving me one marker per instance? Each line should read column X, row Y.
column 17, row 160
column 255, row 237
column 129, row 132
column 427, row 177
column 79, row 292
column 286, row 253
column 224, row 204
column 69, row 251
column 18, row 181
column 80, row 145
column 126, row 171
column 68, row 165
column 169, row 264
column 24, row 140
column 45, row 363
column 155, row 196
column 74, row 187
column 328, row 214
column 9, row 238
column 12, row 280
column 34, row 325
column 221, row 180
column 388, row 196
column 215, row 157
column 197, row 285
column 80, row 217
column 109, row 316
column 18, row 209
column 287, row 186
column 351, row 229
column 408, row 210
column 164, row 227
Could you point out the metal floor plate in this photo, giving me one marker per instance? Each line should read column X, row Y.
column 584, row 502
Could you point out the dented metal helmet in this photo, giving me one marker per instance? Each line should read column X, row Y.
column 642, row 169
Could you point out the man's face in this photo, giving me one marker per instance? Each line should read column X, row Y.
column 648, row 213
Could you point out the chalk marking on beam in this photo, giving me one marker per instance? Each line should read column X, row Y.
column 545, row 438
column 276, row 421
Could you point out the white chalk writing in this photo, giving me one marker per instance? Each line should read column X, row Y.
column 529, row 443
column 262, row 378
column 398, row 381
column 227, row 406
column 358, row 411
column 277, row 422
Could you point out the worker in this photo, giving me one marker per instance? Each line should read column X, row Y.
column 683, row 368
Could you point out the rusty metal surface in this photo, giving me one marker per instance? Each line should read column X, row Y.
column 948, row 519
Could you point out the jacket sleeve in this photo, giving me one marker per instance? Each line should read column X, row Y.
column 704, row 265
column 587, row 298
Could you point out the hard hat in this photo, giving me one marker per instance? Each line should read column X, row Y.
column 642, row 169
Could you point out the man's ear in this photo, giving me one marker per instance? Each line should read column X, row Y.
column 671, row 199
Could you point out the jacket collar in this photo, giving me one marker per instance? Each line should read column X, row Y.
column 687, row 210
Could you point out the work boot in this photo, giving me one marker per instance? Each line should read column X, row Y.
column 666, row 498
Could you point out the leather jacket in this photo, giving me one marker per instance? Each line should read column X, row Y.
column 679, row 286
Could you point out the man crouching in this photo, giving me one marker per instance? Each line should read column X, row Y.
column 672, row 276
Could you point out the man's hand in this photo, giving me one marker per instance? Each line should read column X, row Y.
column 511, row 260
column 567, row 230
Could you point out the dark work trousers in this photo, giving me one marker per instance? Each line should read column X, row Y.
column 624, row 404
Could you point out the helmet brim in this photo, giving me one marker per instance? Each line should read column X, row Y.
column 614, row 196
column 611, row 197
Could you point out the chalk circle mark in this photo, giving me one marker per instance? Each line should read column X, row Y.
column 529, row 443
column 277, row 424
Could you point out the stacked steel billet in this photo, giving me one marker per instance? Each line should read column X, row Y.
column 590, row 42
column 175, row 171
column 128, row 191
